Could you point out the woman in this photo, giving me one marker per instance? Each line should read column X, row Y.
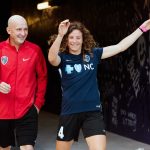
column 74, row 52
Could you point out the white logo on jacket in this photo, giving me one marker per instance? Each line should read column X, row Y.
column 25, row 59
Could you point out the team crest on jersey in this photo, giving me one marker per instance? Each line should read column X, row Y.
column 87, row 58
column 4, row 60
column 78, row 67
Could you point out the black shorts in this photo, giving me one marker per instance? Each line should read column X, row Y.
column 21, row 131
column 91, row 123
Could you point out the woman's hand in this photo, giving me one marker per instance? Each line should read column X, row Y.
column 63, row 27
column 145, row 26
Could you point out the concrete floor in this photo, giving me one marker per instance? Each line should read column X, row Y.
column 47, row 135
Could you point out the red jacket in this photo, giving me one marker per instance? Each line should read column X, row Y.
column 26, row 72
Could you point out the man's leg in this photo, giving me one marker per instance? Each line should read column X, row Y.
column 26, row 130
column 6, row 148
column 7, row 137
column 26, row 147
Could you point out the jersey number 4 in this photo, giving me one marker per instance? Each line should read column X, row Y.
column 60, row 133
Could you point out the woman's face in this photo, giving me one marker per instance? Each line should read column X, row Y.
column 75, row 40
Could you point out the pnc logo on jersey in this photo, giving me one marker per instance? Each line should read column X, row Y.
column 4, row 60
column 78, row 68
column 69, row 69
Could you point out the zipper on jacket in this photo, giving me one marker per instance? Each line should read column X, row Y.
column 15, row 84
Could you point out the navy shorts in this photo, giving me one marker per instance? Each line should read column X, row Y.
column 21, row 131
column 91, row 123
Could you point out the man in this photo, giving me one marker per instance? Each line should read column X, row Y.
column 23, row 79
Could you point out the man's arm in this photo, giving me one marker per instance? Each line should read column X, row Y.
column 41, row 71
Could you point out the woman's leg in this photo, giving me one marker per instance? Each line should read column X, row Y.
column 96, row 142
column 63, row 145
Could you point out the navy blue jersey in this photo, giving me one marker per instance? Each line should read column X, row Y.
column 80, row 91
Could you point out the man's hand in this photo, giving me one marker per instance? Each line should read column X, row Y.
column 5, row 88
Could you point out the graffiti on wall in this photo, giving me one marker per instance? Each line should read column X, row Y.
column 128, row 77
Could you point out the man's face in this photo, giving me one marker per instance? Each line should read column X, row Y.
column 18, row 31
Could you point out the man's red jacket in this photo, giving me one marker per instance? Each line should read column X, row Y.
column 26, row 72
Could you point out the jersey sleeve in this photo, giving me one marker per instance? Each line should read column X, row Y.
column 98, row 53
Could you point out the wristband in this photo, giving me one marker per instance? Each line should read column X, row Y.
column 143, row 29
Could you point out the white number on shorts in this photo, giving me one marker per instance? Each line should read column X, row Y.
column 60, row 133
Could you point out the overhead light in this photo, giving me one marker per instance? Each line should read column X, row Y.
column 43, row 5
